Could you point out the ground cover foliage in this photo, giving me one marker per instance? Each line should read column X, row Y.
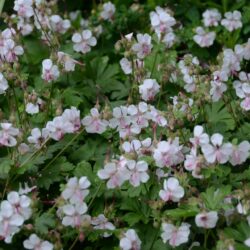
column 124, row 125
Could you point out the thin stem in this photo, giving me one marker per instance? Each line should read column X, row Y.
column 49, row 101
column 65, row 147
column 16, row 104
column 74, row 242
column 5, row 188
column 95, row 194
column 153, row 67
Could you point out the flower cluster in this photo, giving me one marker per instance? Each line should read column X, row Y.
column 13, row 213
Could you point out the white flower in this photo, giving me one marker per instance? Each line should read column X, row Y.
column 38, row 137
column 8, row 134
column 203, row 38
column 101, row 222
column 50, row 71
column 143, row 47
column 130, row 241
column 24, row 8
column 194, row 163
column 67, row 62
column 231, row 62
column 217, row 85
column 13, row 212
column 59, row 127
column 25, row 26
column 35, row 243
column 149, row 89
column 93, row 123
column 74, row 214
column 247, row 242
column 76, row 190
column 175, row 235
column 115, row 173
column 32, row 108
column 21, row 204
column 240, row 153
column 72, row 116
column 232, row 20
column 172, row 190
column 138, row 172
column 168, row 153
column 200, row 138
column 3, row 84
column 169, row 39
column 126, row 66
column 217, row 152
column 57, row 24
column 211, row 17
column 206, row 219
column 108, row 11
column 161, row 21
column 83, row 41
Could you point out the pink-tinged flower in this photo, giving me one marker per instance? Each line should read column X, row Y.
column 200, row 138
column 74, row 214
column 168, row 153
column 126, row 66
column 203, row 38
column 38, row 137
column 217, row 152
column 211, row 17
column 12, row 51
column 3, row 84
column 35, row 243
column 194, row 163
column 232, row 20
column 59, row 127
column 24, row 8
column 174, row 235
column 108, row 11
column 138, row 172
column 231, row 62
column 21, row 204
column 25, row 26
column 8, row 134
column 172, row 190
column 72, row 116
column 76, row 190
column 240, row 153
column 83, row 41
column 93, row 122
column 143, row 47
column 149, row 89
column 206, row 219
column 57, row 24
column 161, row 21
column 169, row 39
column 115, row 173
column 101, row 222
column 130, row 241
column 66, row 61
column 50, row 71
column 157, row 117
column 217, row 85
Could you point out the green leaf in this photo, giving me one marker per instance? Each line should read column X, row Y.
column 44, row 222
column 213, row 197
column 5, row 166
column 218, row 117
column 71, row 97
